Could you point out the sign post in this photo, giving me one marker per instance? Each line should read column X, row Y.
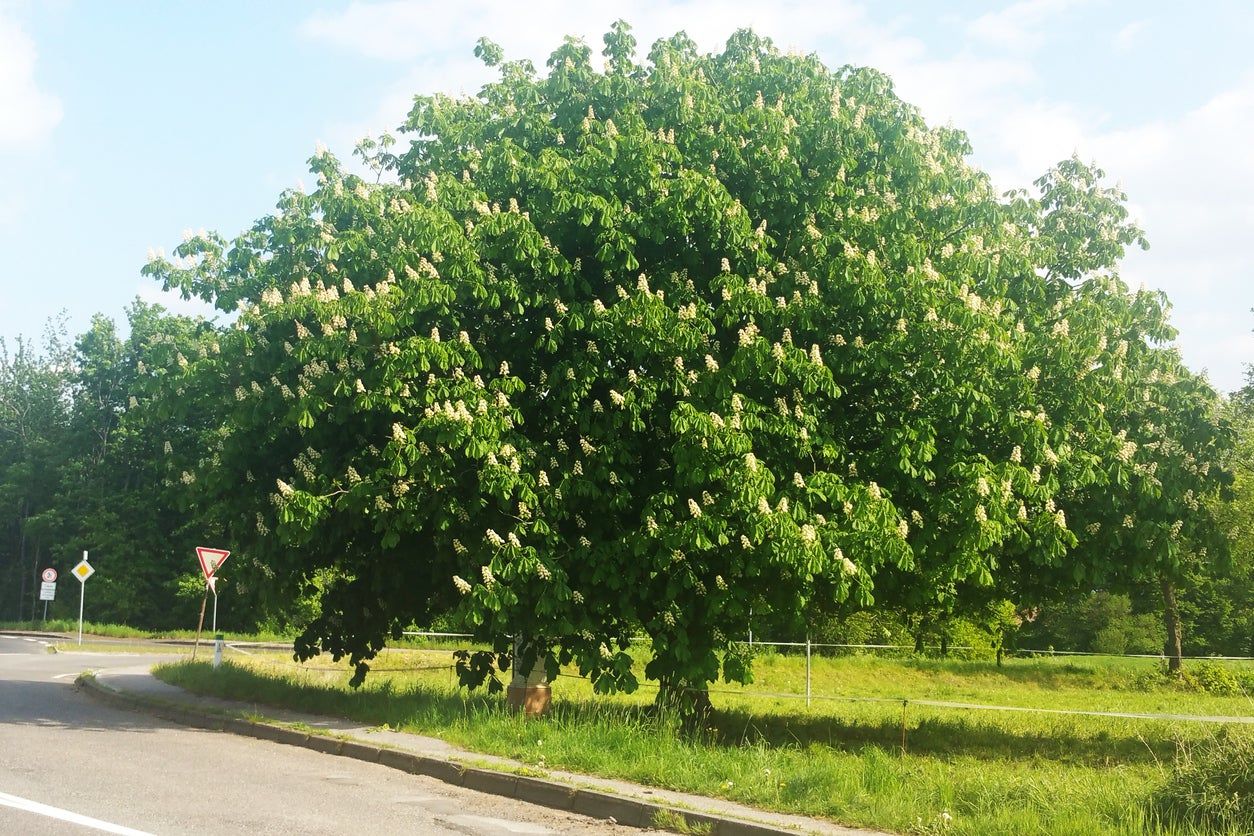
column 210, row 561
column 213, row 587
column 82, row 571
column 48, row 589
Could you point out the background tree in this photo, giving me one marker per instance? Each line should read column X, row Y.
column 116, row 495
column 33, row 422
column 1217, row 598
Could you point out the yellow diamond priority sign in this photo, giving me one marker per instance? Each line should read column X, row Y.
column 83, row 571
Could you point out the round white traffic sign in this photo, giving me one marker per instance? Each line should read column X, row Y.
column 50, row 575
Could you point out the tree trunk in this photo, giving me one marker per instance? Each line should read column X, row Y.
column 918, row 642
column 1171, row 618
column 21, row 561
column 34, row 581
column 692, row 705
column 944, row 648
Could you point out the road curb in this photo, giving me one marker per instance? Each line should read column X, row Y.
column 33, row 634
column 543, row 792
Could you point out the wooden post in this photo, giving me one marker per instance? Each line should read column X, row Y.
column 807, row 670
column 903, row 727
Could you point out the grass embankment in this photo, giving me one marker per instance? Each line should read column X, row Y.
column 988, row 772
column 122, row 631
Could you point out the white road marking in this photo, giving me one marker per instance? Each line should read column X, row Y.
column 29, row 639
column 65, row 815
column 64, row 675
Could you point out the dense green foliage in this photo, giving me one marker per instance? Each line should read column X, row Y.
column 653, row 348
column 1100, row 622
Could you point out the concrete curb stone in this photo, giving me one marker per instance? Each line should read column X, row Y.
column 627, row 811
column 447, row 771
column 404, row 761
column 326, row 745
column 549, row 794
column 496, row 783
column 360, row 751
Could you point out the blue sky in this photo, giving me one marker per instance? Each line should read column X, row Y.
column 122, row 124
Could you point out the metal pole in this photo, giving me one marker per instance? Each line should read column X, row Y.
column 215, row 607
column 45, row 610
column 82, row 593
column 807, row 670
column 751, row 628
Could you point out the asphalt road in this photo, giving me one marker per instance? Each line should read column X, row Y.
column 64, row 755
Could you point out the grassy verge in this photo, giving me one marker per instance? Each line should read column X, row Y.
column 974, row 772
column 122, row 631
column 130, row 648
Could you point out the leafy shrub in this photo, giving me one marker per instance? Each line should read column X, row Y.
column 1213, row 678
column 1113, row 638
column 970, row 641
column 1211, row 786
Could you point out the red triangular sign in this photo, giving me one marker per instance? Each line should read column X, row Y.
column 211, row 560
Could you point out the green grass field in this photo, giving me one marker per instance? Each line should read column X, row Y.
column 840, row 758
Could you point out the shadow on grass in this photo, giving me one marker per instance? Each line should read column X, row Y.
column 1046, row 672
column 949, row 736
column 434, row 710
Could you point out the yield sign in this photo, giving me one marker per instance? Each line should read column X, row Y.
column 211, row 559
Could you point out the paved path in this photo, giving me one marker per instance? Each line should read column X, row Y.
column 70, row 765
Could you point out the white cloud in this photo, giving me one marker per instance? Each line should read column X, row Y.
column 1193, row 180
column 172, row 301
column 1127, row 37
column 1018, row 28
column 27, row 113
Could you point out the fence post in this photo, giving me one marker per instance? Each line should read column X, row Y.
column 807, row 669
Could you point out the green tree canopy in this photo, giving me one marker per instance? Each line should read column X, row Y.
column 647, row 348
